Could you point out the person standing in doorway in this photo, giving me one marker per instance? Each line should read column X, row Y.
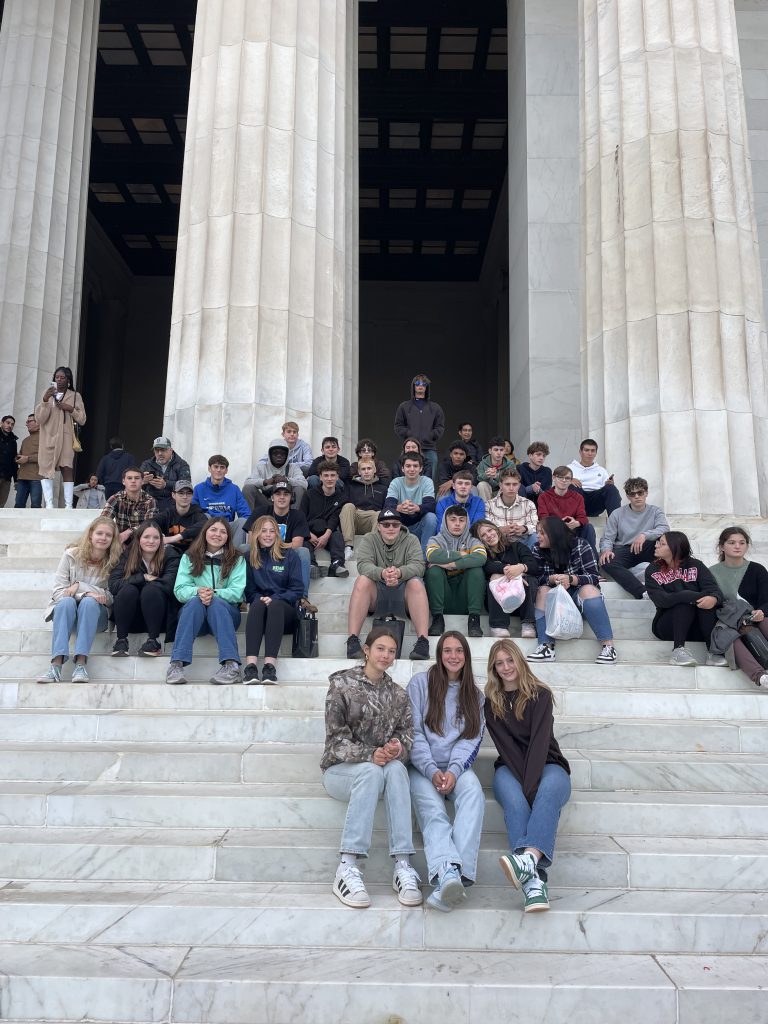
column 423, row 419
column 57, row 412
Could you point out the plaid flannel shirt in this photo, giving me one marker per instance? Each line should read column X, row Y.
column 130, row 514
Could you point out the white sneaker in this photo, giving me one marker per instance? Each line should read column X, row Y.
column 763, row 680
column 680, row 656
column 405, row 882
column 528, row 631
column 499, row 631
column 542, row 653
column 716, row 660
column 349, row 887
column 349, row 552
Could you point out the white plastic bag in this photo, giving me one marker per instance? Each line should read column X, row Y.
column 510, row 594
column 563, row 618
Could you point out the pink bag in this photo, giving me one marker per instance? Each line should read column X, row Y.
column 509, row 593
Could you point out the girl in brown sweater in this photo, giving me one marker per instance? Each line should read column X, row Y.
column 532, row 778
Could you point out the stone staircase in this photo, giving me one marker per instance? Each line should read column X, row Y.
column 166, row 854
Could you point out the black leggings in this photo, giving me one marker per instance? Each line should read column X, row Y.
column 684, row 622
column 136, row 608
column 269, row 622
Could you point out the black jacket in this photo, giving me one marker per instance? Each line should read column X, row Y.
column 684, row 585
column 176, row 469
column 112, row 466
column 189, row 525
column 367, row 497
column 342, row 465
column 514, row 553
column 8, row 453
column 165, row 581
column 446, row 469
column 427, row 424
column 323, row 512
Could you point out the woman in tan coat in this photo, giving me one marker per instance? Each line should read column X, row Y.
column 56, row 411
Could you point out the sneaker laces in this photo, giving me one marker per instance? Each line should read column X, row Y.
column 533, row 887
column 353, row 878
column 407, row 876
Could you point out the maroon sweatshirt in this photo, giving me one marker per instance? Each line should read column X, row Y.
column 571, row 504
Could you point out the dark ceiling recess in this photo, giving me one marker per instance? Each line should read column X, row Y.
column 139, row 123
column 433, row 135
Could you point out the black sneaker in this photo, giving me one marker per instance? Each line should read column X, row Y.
column 251, row 674
column 269, row 674
column 151, row 648
column 437, row 627
column 120, row 648
column 354, row 649
column 339, row 570
column 420, row 650
column 473, row 626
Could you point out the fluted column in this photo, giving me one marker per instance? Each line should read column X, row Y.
column 258, row 326
column 47, row 71
column 674, row 364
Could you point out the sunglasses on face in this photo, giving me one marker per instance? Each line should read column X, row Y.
column 634, row 494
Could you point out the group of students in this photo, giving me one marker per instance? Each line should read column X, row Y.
column 416, row 749
column 146, row 586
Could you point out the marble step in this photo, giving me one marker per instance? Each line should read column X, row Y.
column 138, row 726
column 140, row 854
column 290, row 805
column 294, row 915
column 646, row 650
column 182, row 984
column 191, row 763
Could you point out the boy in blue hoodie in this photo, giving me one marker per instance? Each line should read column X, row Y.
column 218, row 495
column 461, row 494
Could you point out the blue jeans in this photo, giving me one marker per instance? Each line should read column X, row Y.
column 85, row 618
column 457, row 841
column 220, row 618
column 430, row 464
column 594, row 611
column 529, row 540
column 361, row 784
column 533, row 827
column 425, row 529
column 32, row 489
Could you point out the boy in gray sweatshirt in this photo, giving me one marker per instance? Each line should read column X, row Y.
column 630, row 537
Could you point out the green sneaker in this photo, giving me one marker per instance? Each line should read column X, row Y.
column 535, row 895
column 518, row 867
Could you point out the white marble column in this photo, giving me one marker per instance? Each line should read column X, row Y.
column 261, row 322
column 47, row 71
column 674, row 362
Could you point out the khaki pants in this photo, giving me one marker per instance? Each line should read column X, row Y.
column 355, row 520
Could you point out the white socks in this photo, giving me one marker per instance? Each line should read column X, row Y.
column 349, row 858
column 68, row 494
column 48, row 492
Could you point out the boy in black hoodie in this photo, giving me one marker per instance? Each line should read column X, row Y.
column 423, row 419
column 324, row 504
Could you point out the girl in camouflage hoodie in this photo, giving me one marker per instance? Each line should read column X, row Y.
column 368, row 737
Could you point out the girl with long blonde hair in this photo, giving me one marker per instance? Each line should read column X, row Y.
column 532, row 778
column 80, row 601
column 273, row 589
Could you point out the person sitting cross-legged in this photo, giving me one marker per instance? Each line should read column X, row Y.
column 412, row 496
column 390, row 564
column 566, row 561
column 630, row 537
column 365, row 499
column 567, row 503
column 514, row 560
column 324, row 505
column 461, row 494
column 515, row 517
column 454, row 577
